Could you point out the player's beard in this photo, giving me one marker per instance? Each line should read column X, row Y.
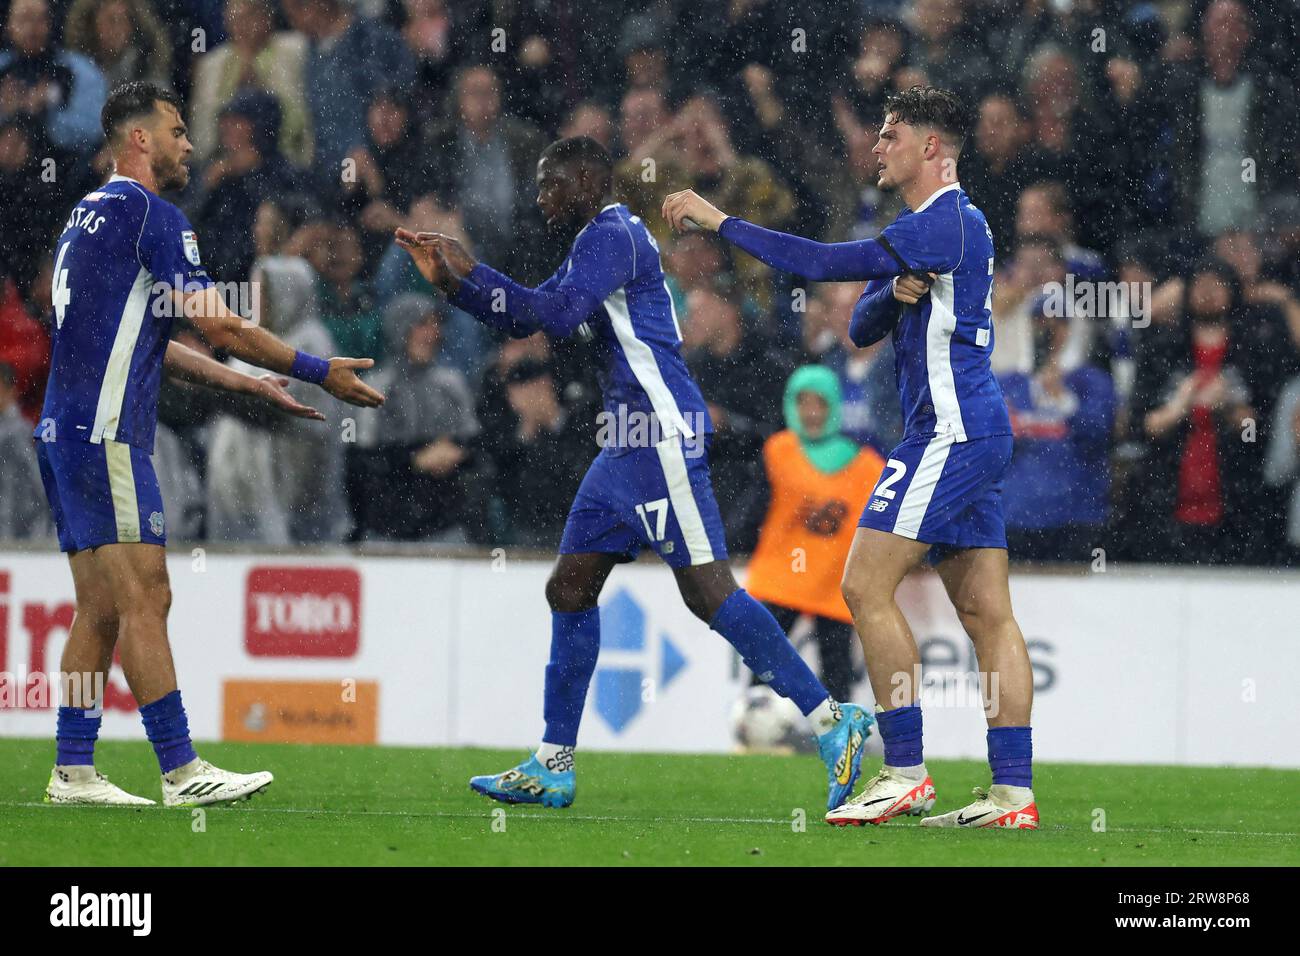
column 172, row 175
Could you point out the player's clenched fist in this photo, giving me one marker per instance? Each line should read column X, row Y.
column 909, row 288
column 682, row 209
column 342, row 382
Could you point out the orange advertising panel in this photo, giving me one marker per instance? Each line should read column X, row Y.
column 300, row 712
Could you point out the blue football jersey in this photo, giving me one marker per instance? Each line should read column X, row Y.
column 637, row 336
column 121, row 253
column 943, row 343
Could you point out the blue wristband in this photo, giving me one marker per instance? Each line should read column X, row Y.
column 309, row 368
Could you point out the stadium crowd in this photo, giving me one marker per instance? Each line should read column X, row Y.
column 1135, row 161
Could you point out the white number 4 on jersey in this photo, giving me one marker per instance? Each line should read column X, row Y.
column 60, row 293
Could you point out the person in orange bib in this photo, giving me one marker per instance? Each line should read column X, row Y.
column 819, row 481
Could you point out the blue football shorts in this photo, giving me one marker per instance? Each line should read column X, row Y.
column 659, row 497
column 101, row 493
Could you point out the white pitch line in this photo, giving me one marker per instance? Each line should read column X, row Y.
column 561, row 817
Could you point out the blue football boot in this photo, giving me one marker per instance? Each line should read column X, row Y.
column 841, row 750
column 530, row 782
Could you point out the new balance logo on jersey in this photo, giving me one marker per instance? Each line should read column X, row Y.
column 878, row 504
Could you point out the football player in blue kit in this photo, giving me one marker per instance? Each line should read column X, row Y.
column 126, row 263
column 648, row 487
column 931, row 279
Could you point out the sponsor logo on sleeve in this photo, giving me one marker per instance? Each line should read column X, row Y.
column 191, row 243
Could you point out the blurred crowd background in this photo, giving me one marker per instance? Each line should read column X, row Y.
column 1150, row 144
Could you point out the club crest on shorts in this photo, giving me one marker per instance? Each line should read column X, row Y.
column 190, row 241
column 156, row 523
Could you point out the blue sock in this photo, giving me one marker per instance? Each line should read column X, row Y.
column 900, row 729
column 1011, row 756
column 751, row 629
column 168, row 730
column 575, row 645
column 75, row 737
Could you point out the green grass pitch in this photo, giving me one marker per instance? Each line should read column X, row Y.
column 364, row 806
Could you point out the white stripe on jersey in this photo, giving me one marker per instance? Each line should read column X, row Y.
column 673, row 463
column 641, row 360
column 113, row 390
column 916, row 500
column 938, row 359
column 672, row 308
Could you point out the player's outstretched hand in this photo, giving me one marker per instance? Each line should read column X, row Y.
column 271, row 388
column 455, row 255
column 423, row 254
column 910, row 288
column 685, row 209
column 342, row 382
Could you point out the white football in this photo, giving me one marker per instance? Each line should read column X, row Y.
column 762, row 721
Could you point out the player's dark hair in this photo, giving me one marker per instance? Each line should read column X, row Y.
column 930, row 106
column 7, row 377
column 583, row 150
column 130, row 101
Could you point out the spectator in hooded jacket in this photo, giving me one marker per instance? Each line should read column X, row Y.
column 412, row 472
column 817, row 483
column 274, row 480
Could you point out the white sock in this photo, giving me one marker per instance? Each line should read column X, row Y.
column 1009, row 796
column 908, row 773
column 824, row 716
column 556, row 758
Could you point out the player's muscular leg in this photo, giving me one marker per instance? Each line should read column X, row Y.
column 577, row 580
column 877, row 563
column 137, row 576
column 88, row 653
column 976, row 581
column 704, row 587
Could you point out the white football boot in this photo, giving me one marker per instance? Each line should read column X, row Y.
column 886, row 795
column 198, row 784
column 999, row 807
column 83, row 784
